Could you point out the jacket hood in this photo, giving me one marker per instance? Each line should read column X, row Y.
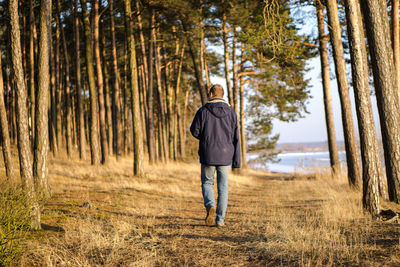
column 218, row 107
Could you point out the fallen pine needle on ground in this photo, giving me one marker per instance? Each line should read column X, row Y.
column 103, row 215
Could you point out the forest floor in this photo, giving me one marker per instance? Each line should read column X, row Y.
column 105, row 216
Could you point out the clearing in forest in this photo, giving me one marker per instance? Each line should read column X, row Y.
column 105, row 216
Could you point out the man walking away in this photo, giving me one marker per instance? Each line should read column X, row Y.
column 215, row 125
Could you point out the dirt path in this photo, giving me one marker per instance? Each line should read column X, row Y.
column 104, row 216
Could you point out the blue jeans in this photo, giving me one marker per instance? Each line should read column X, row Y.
column 207, row 183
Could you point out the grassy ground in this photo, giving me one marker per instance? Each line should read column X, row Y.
column 105, row 216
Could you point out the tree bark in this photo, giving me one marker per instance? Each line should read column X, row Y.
column 24, row 147
column 115, row 90
column 150, row 124
column 330, row 127
column 137, row 127
column 100, row 85
column 352, row 156
column 32, row 66
column 371, row 162
column 377, row 27
column 80, row 118
column 94, row 126
column 225, row 32
column 396, row 39
column 243, row 143
column 107, row 97
column 67, row 96
column 8, row 163
column 235, row 73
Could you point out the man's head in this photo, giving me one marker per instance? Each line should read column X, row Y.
column 216, row 91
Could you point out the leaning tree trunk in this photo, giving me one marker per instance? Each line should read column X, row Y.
column 24, row 147
column 196, row 66
column 94, row 126
column 137, row 127
column 330, row 127
column 115, row 93
column 371, row 162
column 352, row 156
column 80, row 118
column 5, row 135
column 96, row 39
column 377, row 27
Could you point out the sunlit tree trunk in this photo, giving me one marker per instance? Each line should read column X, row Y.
column 371, row 162
column 24, row 147
column 243, row 142
column 116, row 89
column 107, row 100
column 94, row 126
column 396, row 39
column 5, row 136
column 100, row 85
column 377, row 27
column 80, row 118
column 137, row 127
column 150, row 124
column 32, row 66
column 235, row 73
column 67, row 95
column 225, row 32
column 352, row 156
column 330, row 126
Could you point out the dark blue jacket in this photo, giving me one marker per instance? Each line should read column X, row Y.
column 215, row 125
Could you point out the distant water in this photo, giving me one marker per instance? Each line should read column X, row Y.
column 299, row 162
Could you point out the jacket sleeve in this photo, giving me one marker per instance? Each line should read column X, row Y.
column 236, row 144
column 195, row 128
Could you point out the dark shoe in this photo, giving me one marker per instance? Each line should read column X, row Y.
column 210, row 218
column 220, row 224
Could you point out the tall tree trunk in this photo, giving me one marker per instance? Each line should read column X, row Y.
column 170, row 122
column 94, row 126
column 41, row 151
column 67, row 96
column 80, row 118
column 5, row 135
column 162, row 108
column 243, row 143
column 371, row 162
column 103, row 134
column 32, row 65
column 377, row 26
column 235, row 73
column 225, row 32
column 352, row 156
column 396, row 39
column 178, row 110
column 115, row 90
column 125, row 98
column 107, row 98
column 150, row 124
column 57, row 92
column 330, row 127
column 144, row 74
column 24, row 147
column 137, row 127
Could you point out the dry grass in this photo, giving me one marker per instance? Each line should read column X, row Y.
column 157, row 220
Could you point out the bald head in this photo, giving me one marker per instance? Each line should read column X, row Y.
column 216, row 91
